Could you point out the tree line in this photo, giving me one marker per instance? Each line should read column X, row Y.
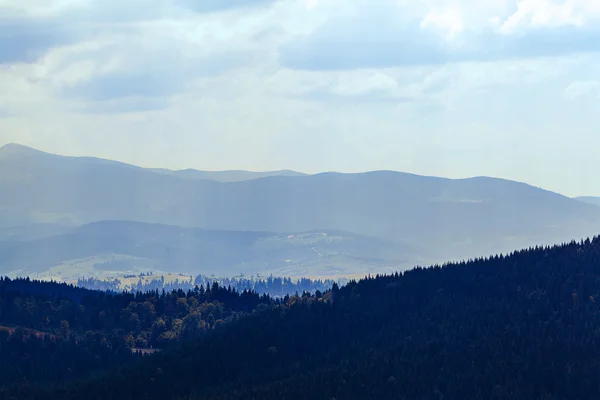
column 273, row 286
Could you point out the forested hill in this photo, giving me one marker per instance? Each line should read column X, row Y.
column 522, row 326
column 52, row 332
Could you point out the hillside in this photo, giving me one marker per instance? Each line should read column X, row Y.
column 19, row 154
column 117, row 247
column 455, row 218
column 29, row 232
column 590, row 200
column 51, row 332
column 519, row 326
column 224, row 176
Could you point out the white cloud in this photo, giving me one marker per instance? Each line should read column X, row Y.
column 583, row 88
column 551, row 13
column 448, row 22
column 385, row 36
column 373, row 82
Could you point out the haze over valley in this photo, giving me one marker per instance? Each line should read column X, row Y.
column 68, row 217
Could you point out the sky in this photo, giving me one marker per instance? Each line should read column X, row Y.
column 453, row 88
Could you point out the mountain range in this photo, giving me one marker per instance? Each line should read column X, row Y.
column 590, row 200
column 49, row 201
column 113, row 248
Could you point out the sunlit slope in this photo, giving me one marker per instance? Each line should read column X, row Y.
column 112, row 247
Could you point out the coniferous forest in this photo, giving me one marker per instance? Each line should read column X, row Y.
column 273, row 286
column 519, row 326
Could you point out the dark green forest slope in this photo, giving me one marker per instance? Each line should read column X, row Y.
column 522, row 326
column 51, row 332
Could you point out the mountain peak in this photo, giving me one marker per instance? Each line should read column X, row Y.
column 17, row 149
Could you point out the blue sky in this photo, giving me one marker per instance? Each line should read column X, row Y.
column 451, row 88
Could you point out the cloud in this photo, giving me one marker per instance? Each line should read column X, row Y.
column 154, row 61
column 124, row 84
column 375, row 87
column 25, row 40
column 30, row 31
column 154, row 75
column 381, row 37
column 583, row 88
column 110, row 52
column 354, row 87
column 446, row 22
column 370, row 97
column 551, row 13
column 27, row 32
column 126, row 105
column 209, row 6
column 375, row 39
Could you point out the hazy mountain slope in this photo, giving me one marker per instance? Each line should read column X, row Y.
column 23, row 233
column 457, row 218
column 225, row 253
column 17, row 160
column 225, row 176
column 589, row 200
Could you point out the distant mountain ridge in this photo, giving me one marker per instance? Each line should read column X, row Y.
column 16, row 151
column 449, row 218
column 589, row 200
column 124, row 246
column 225, row 176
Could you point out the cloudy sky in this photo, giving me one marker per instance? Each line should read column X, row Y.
column 451, row 88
